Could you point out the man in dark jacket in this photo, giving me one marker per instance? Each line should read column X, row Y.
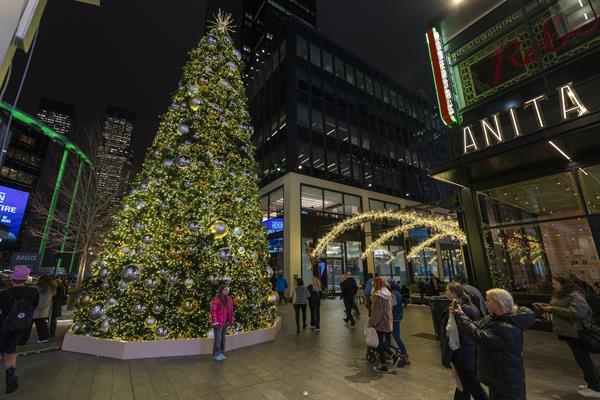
column 349, row 288
column 499, row 340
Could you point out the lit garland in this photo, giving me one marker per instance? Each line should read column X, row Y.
column 386, row 237
column 192, row 220
column 407, row 220
column 416, row 250
column 517, row 244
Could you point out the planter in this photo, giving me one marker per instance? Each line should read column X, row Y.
column 163, row 348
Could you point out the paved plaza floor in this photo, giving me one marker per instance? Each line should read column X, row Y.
column 327, row 365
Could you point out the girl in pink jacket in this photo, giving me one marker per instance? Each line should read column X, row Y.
column 221, row 315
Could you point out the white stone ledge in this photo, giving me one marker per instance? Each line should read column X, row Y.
column 163, row 348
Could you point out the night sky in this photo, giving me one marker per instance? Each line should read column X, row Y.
column 130, row 53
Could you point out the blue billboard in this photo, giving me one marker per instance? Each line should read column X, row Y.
column 12, row 210
column 273, row 225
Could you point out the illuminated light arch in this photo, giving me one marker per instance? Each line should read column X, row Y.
column 408, row 220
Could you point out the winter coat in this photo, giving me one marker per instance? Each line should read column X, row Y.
column 476, row 297
column 314, row 301
column 499, row 341
column 463, row 357
column 570, row 314
column 381, row 315
column 398, row 308
column 219, row 315
column 300, row 295
column 45, row 303
column 281, row 285
column 349, row 288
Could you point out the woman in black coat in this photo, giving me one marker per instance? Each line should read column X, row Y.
column 499, row 340
column 463, row 358
column 314, row 302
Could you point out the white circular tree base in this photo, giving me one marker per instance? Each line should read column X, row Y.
column 163, row 348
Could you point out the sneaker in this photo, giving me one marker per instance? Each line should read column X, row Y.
column 219, row 357
column 382, row 369
column 316, row 329
column 589, row 393
column 42, row 341
column 223, row 357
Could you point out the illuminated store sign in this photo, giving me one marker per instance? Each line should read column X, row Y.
column 441, row 77
column 491, row 127
column 12, row 210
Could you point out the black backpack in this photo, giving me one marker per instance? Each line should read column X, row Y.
column 20, row 315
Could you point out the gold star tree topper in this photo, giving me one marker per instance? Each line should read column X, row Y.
column 223, row 22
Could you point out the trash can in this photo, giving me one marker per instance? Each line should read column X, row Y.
column 438, row 304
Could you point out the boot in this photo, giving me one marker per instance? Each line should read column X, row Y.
column 12, row 382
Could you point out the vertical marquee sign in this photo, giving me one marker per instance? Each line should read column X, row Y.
column 441, row 77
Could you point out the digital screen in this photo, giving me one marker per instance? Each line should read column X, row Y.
column 12, row 210
column 273, row 225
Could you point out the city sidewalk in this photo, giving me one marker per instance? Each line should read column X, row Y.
column 327, row 365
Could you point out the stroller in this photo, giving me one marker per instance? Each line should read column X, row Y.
column 372, row 355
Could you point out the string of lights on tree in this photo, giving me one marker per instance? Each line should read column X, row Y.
column 192, row 220
column 439, row 226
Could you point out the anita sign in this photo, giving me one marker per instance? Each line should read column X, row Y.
column 571, row 107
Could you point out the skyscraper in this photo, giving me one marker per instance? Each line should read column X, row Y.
column 58, row 116
column 114, row 154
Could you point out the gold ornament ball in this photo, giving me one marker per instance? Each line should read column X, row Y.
column 150, row 322
column 189, row 306
column 274, row 297
column 189, row 283
column 85, row 301
column 219, row 229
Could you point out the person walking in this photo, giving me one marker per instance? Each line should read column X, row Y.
column 463, row 358
column 382, row 321
column 221, row 316
column 367, row 291
column 474, row 294
column 435, row 285
column 397, row 315
column 571, row 313
column 314, row 303
column 58, row 300
column 405, row 291
column 41, row 314
column 499, row 341
column 355, row 286
column 300, row 297
column 281, row 284
column 348, row 290
column 16, row 313
column 421, row 285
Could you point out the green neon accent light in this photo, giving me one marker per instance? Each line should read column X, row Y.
column 47, row 131
column 53, row 203
column 70, row 214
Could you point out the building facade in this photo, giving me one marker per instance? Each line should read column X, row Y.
column 114, row 153
column 57, row 115
column 519, row 86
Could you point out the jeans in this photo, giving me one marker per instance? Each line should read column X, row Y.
column 315, row 316
column 219, row 342
column 282, row 297
column 471, row 386
column 384, row 347
column 585, row 362
column 348, row 305
column 396, row 334
column 297, row 308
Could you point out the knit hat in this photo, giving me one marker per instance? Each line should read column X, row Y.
column 20, row 273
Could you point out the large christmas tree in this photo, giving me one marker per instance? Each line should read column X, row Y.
column 192, row 220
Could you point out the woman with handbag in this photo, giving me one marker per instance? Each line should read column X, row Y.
column 461, row 359
column 382, row 320
column 571, row 314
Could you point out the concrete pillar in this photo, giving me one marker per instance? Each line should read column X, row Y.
column 476, row 260
column 292, row 235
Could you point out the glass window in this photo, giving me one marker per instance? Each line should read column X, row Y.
column 301, row 47
column 354, row 260
column 369, row 85
column 264, row 207
column 350, row 74
column 360, row 80
column 303, row 155
column 529, row 254
column 339, row 68
column 312, row 198
column 352, row 204
column 590, row 184
column 355, row 136
column 329, row 125
column 376, row 205
column 332, row 162
column 343, row 131
column 318, row 158
column 382, row 258
column 282, row 50
column 276, row 203
column 317, row 121
column 377, row 87
column 327, row 62
column 344, row 165
column 366, row 144
column 302, row 111
column 543, row 198
column 398, row 264
column 334, row 202
column 315, row 55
